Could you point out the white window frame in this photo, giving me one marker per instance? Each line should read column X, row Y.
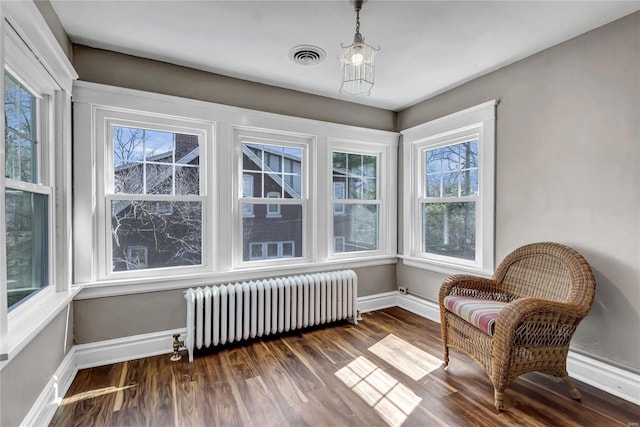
column 385, row 193
column 31, row 54
column 105, row 120
column 473, row 123
column 270, row 137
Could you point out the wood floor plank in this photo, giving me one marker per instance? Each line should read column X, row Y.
column 343, row 375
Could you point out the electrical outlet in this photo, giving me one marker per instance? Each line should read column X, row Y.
column 403, row 290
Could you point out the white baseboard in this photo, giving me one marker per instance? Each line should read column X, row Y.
column 377, row 301
column 618, row 382
column 124, row 349
column 611, row 379
column 419, row 306
column 47, row 403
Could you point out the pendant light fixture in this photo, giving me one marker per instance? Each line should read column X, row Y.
column 357, row 62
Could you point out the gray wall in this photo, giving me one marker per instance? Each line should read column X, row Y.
column 568, row 170
column 117, row 69
column 50, row 16
column 99, row 319
column 24, row 378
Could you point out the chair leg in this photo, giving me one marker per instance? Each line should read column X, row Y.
column 575, row 393
column 446, row 356
column 499, row 400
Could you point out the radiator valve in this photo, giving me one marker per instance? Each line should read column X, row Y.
column 177, row 344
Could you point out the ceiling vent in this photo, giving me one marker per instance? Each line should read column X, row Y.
column 307, row 54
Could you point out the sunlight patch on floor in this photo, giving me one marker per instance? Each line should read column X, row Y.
column 405, row 357
column 93, row 393
column 391, row 399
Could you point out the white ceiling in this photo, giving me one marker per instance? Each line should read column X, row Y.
column 427, row 46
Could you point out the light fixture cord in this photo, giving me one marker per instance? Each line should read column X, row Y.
column 358, row 20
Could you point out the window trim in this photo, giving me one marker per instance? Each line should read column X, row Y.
column 227, row 121
column 457, row 127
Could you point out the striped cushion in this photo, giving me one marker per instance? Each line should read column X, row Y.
column 481, row 313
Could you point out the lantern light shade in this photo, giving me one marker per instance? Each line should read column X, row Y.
column 357, row 63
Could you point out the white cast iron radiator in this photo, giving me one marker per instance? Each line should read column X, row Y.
column 238, row 311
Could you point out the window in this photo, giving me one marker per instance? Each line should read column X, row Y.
column 355, row 201
column 449, row 213
column 35, row 194
column 155, row 201
column 449, row 201
column 273, row 211
column 271, row 250
column 137, row 257
column 275, row 198
column 27, row 198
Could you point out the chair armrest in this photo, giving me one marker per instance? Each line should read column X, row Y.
column 471, row 286
column 534, row 322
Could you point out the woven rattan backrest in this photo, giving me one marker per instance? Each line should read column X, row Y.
column 548, row 271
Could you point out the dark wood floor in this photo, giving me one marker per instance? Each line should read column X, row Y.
column 384, row 371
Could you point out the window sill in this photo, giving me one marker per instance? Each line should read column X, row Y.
column 27, row 321
column 164, row 283
column 441, row 267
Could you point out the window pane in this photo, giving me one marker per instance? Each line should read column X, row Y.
column 449, row 229
column 434, row 160
column 158, row 146
column 355, row 188
column 20, row 132
column 456, row 167
column 11, row 104
column 261, row 228
column 469, row 182
column 369, row 189
column 357, row 226
column 357, row 173
column 273, row 183
column 280, row 166
column 433, row 185
column 339, row 163
column 369, row 166
column 293, row 186
column 272, row 250
column 354, row 164
column 20, row 157
column 27, row 244
column 450, row 184
column 187, row 149
column 187, row 180
column 128, row 146
column 287, row 249
column 159, row 178
column 169, row 239
column 451, row 158
column 155, row 162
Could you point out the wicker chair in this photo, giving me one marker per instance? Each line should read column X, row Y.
column 521, row 319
